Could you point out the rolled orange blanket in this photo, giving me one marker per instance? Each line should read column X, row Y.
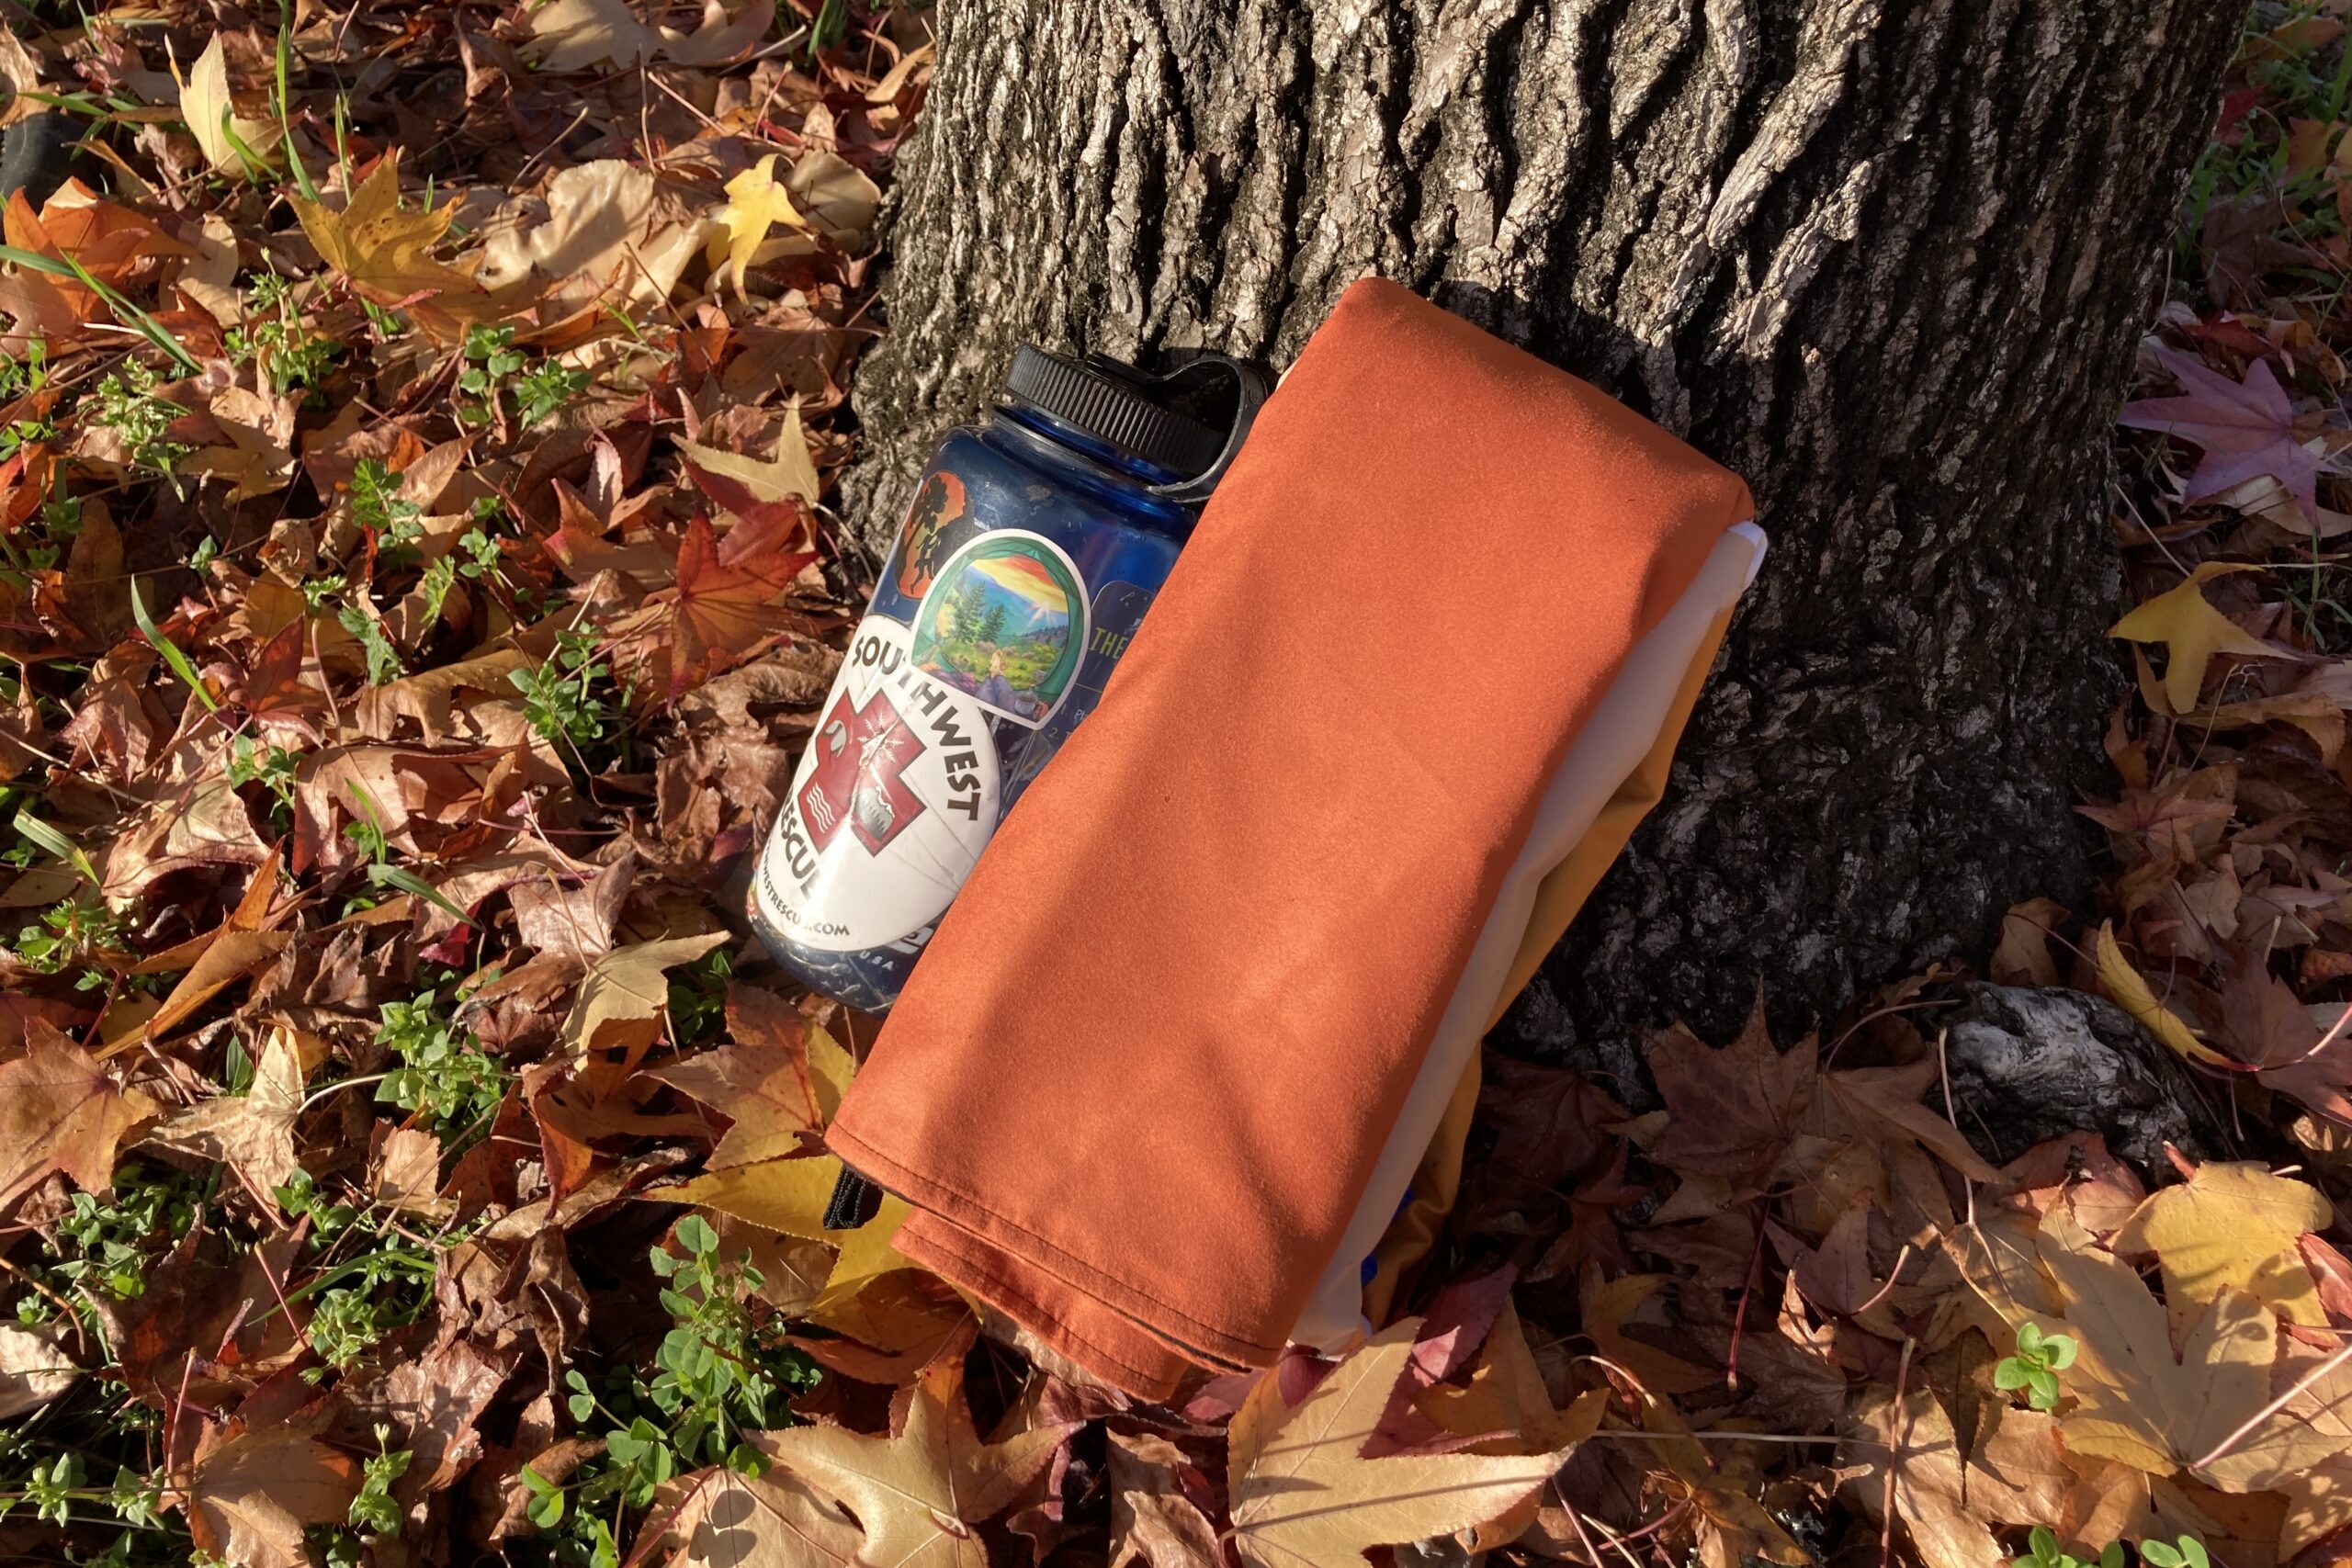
column 1137, row 1085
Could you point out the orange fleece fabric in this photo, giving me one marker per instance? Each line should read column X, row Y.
column 1139, row 1081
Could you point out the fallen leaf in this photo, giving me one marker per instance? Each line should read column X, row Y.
column 253, row 1132
column 738, row 483
column 2136, row 1403
column 384, row 251
column 578, row 34
column 1605, row 1306
column 405, row 1175
column 756, row 201
column 232, row 956
column 625, row 1001
column 918, row 1492
column 2193, row 631
column 252, row 1494
column 33, row 1371
column 1506, row 1393
column 1930, row 1479
column 60, row 1113
column 1304, row 1497
column 2231, row 1227
column 2245, row 428
column 435, row 1400
column 729, row 1520
column 2022, row 956
column 726, row 603
column 204, row 101
column 1156, row 1512
column 2131, row 994
column 2303, row 1449
column 1732, row 1112
column 779, row 1082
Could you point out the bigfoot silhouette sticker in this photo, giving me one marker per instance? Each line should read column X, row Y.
column 1004, row 623
column 937, row 523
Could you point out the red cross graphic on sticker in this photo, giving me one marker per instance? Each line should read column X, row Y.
column 862, row 754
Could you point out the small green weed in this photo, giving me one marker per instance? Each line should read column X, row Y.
column 373, row 1510
column 491, row 359
column 490, row 373
column 2042, row 1552
column 2188, row 1552
column 375, row 643
column 271, row 766
column 718, row 1373
column 20, row 434
column 375, row 1278
column 444, row 1074
column 80, row 933
column 560, row 697
column 127, row 404
column 544, row 389
column 390, row 518
column 20, row 377
column 102, row 1244
column 698, row 999
column 2035, row 1368
column 287, row 352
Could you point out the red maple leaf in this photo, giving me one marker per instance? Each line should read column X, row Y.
column 727, row 601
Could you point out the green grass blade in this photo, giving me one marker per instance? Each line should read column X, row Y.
column 132, row 315
column 181, row 665
column 285, row 115
column 408, row 882
column 47, row 838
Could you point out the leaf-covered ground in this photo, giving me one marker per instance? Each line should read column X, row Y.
column 417, row 577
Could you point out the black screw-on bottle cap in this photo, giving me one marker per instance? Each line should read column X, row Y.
column 1111, row 410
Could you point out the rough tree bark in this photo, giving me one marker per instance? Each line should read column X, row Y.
column 1886, row 258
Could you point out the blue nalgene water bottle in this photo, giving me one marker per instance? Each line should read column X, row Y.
column 1034, row 545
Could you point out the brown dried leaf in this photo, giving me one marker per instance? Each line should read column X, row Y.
column 252, row 1493
column 253, row 1132
column 59, row 1111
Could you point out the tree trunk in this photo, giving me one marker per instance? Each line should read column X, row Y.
column 1886, row 258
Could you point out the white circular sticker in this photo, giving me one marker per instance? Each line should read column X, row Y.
column 895, row 799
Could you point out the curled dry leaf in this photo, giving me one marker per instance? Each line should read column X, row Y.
column 625, row 999
column 34, row 1369
column 212, row 120
column 252, row 1132
column 1160, row 1506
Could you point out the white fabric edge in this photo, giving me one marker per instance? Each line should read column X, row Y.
column 1621, row 732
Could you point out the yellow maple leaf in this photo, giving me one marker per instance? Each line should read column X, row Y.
column 757, row 199
column 383, row 250
column 1303, row 1494
column 2192, row 630
column 918, row 1494
column 787, row 476
column 215, row 124
column 2231, row 1226
column 2134, row 1401
column 790, row 1193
